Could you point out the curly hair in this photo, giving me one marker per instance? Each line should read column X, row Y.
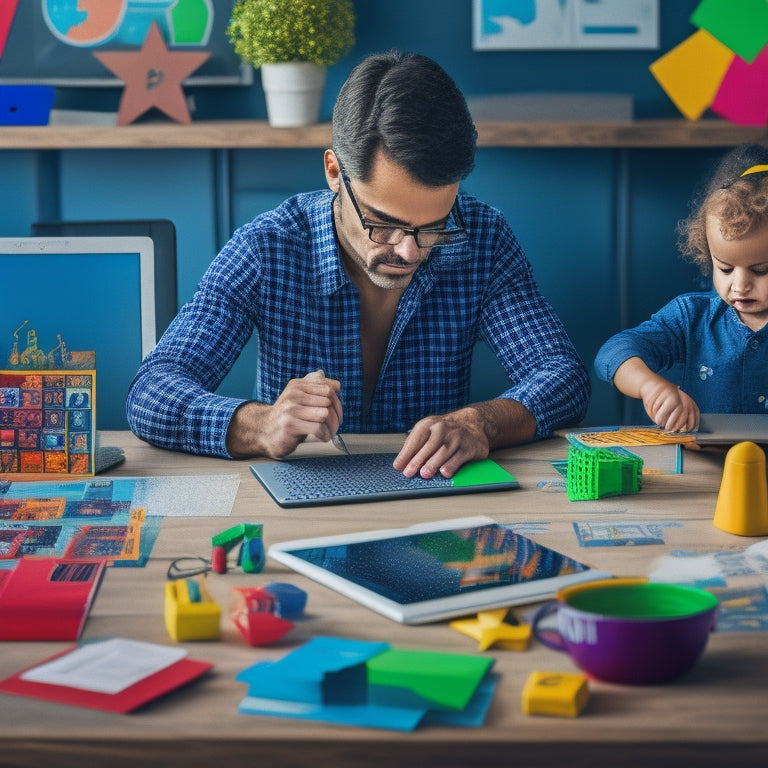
column 739, row 202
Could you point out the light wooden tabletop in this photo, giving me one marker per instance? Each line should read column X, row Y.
column 716, row 714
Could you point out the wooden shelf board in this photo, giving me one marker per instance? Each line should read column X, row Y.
column 257, row 134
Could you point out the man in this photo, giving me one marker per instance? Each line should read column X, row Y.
column 367, row 300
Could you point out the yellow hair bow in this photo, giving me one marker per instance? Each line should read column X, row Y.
column 755, row 169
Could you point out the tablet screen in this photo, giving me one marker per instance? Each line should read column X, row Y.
column 428, row 565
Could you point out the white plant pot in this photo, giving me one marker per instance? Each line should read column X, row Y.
column 293, row 90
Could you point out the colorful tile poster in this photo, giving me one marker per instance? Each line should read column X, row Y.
column 47, row 422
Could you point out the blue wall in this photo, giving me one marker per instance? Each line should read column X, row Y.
column 564, row 204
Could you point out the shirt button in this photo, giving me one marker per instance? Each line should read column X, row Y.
column 754, row 343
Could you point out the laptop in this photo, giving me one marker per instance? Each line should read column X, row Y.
column 365, row 477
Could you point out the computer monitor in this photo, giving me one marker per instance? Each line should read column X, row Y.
column 91, row 293
column 163, row 234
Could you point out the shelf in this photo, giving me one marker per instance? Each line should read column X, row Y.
column 633, row 134
column 214, row 134
column 257, row 134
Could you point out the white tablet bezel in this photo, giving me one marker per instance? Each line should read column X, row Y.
column 429, row 610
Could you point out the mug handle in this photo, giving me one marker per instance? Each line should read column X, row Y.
column 556, row 642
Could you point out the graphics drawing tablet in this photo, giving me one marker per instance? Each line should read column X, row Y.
column 310, row 481
column 435, row 571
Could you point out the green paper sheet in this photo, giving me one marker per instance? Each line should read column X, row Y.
column 740, row 25
column 478, row 472
column 448, row 679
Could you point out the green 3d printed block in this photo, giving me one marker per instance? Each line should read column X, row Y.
column 597, row 472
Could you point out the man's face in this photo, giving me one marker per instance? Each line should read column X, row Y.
column 390, row 196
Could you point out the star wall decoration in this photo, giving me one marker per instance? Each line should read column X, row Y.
column 153, row 77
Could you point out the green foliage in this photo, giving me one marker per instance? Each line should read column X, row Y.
column 274, row 31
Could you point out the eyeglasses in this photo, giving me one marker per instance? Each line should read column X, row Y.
column 187, row 567
column 392, row 234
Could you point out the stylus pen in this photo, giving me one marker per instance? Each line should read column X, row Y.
column 338, row 441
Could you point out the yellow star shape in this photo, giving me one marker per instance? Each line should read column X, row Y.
column 152, row 77
column 489, row 628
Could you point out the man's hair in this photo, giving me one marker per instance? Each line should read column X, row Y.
column 739, row 202
column 407, row 106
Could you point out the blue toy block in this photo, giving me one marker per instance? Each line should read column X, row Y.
column 26, row 104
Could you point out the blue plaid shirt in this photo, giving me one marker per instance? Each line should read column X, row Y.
column 698, row 342
column 282, row 276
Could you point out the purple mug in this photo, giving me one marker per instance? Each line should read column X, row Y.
column 630, row 631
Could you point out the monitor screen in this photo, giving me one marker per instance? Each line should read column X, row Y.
column 163, row 234
column 89, row 294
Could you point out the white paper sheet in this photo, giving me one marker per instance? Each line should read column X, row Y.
column 108, row 666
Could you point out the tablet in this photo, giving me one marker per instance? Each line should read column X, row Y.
column 435, row 571
column 732, row 428
column 315, row 480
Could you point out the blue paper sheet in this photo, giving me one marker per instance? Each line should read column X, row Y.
column 326, row 680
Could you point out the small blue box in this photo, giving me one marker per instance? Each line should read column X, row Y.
column 26, row 104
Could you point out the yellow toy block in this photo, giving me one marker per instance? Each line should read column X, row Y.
column 190, row 611
column 555, row 693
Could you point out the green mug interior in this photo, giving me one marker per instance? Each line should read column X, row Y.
column 643, row 601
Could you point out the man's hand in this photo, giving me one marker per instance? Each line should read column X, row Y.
column 307, row 406
column 444, row 443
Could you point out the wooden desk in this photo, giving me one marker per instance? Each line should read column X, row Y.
column 716, row 715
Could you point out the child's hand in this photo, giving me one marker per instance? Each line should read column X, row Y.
column 668, row 406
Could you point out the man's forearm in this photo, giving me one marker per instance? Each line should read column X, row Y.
column 504, row 421
column 245, row 432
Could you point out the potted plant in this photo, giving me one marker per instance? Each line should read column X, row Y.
column 292, row 42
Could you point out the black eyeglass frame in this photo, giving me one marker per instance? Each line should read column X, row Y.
column 187, row 567
column 443, row 236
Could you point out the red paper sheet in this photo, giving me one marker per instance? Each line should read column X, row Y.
column 133, row 697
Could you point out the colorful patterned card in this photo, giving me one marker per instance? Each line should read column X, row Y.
column 47, row 422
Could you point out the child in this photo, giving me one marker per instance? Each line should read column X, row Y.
column 718, row 340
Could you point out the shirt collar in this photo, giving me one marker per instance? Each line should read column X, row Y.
column 326, row 258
